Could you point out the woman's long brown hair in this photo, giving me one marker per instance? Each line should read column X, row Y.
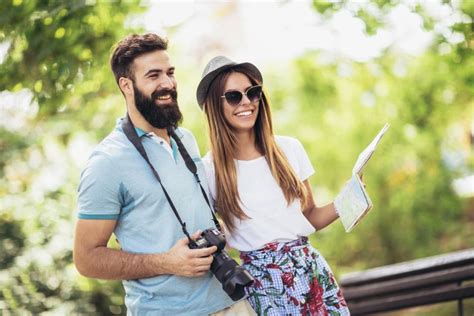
column 223, row 147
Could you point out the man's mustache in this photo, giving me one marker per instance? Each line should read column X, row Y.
column 162, row 92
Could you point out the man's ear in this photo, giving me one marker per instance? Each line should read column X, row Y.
column 126, row 85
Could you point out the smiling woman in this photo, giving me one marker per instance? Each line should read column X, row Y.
column 241, row 109
column 260, row 187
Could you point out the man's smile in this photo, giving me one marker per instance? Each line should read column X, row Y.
column 164, row 97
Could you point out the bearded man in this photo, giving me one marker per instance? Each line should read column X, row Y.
column 119, row 194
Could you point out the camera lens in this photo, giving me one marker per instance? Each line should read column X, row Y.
column 233, row 277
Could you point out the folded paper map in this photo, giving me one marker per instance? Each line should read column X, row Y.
column 353, row 202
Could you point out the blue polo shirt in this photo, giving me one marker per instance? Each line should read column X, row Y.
column 118, row 184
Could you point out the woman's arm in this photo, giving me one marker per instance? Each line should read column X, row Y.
column 319, row 217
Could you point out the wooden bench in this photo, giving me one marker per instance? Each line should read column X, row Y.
column 442, row 278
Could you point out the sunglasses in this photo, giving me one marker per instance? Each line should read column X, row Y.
column 253, row 93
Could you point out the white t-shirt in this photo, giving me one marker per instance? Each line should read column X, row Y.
column 270, row 216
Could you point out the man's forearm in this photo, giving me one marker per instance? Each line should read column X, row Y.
column 112, row 264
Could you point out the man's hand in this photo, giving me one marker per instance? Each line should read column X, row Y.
column 181, row 260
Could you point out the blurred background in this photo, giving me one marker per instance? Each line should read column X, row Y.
column 336, row 72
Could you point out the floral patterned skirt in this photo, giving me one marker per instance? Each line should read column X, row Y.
column 292, row 278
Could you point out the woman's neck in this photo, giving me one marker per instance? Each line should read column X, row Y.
column 246, row 147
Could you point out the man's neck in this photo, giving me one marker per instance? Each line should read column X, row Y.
column 139, row 121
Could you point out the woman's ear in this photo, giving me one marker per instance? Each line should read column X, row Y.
column 126, row 85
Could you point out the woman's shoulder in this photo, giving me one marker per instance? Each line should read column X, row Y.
column 208, row 156
column 296, row 155
column 287, row 141
column 291, row 146
column 208, row 161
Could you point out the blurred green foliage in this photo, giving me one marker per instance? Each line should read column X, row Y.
column 59, row 52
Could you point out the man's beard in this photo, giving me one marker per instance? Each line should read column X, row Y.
column 158, row 115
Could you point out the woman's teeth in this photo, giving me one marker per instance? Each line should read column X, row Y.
column 245, row 113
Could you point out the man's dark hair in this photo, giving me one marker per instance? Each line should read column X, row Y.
column 130, row 48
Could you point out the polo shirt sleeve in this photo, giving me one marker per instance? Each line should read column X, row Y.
column 99, row 189
column 305, row 168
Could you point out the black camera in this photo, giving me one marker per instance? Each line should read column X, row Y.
column 232, row 276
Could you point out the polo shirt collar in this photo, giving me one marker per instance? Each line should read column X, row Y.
column 140, row 132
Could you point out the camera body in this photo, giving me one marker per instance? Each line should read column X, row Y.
column 233, row 277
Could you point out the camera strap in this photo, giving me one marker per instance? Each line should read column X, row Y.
column 132, row 136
